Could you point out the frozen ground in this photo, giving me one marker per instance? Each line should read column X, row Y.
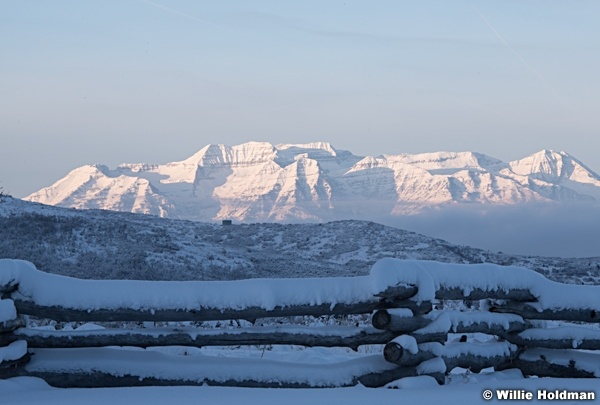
column 421, row 390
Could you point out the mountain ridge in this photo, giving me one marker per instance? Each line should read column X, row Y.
column 258, row 181
column 103, row 244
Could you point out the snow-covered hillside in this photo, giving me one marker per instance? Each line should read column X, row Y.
column 105, row 244
column 257, row 181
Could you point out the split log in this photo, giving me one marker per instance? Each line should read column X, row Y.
column 63, row 314
column 351, row 337
column 556, row 363
column 385, row 320
column 474, row 322
column 106, row 367
column 528, row 312
column 376, row 380
column 399, row 292
column 482, row 327
column 473, row 362
column 586, row 343
column 98, row 379
column 447, row 322
column 455, row 293
column 469, row 359
column 12, row 368
column 15, row 363
column 543, row 368
column 429, row 337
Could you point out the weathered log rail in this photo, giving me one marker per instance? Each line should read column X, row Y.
column 416, row 338
column 351, row 337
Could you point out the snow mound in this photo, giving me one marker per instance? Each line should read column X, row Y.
column 13, row 351
column 407, row 342
column 7, row 310
column 430, row 277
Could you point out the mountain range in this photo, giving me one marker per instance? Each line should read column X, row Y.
column 315, row 182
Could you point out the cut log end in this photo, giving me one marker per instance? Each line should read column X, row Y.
column 381, row 319
column 393, row 352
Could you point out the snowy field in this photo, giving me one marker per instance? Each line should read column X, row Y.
column 422, row 389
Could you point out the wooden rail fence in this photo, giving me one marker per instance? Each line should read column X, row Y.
column 407, row 303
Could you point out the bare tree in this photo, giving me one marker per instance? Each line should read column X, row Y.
column 3, row 195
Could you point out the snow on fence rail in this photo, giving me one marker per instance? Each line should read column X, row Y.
column 401, row 295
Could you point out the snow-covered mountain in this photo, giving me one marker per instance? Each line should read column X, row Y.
column 258, row 181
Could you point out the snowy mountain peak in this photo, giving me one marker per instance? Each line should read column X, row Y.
column 549, row 165
column 90, row 170
column 210, row 154
column 257, row 181
column 58, row 192
column 546, row 162
column 244, row 154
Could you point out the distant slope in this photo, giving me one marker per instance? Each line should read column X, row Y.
column 315, row 182
column 104, row 244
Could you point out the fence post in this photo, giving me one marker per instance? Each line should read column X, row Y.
column 13, row 352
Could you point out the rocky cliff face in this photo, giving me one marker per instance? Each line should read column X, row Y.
column 258, row 181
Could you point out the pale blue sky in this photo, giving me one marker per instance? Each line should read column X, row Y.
column 110, row 81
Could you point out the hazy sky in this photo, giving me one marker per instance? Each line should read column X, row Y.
column 112, row 81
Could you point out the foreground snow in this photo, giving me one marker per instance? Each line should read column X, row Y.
column 33, row 391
